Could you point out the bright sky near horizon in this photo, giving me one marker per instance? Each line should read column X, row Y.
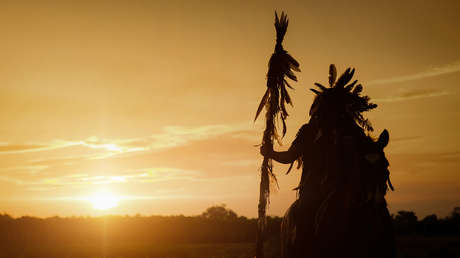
column 153, row 101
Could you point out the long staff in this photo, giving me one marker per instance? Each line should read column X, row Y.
column 276, row 97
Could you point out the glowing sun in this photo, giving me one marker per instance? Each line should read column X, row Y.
column 104, row 200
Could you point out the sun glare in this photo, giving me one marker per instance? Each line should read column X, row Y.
column 104, row 200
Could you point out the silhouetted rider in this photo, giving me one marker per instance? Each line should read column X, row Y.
column 344, row 174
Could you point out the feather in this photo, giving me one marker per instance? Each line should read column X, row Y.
column 284, row 112
column 320, row 86
column 284, row 126
column 294, row 65
column 352, row 73
column 281, row 24
column 290, row 167
column 299, row 162
column 291, row 75
column 344, row 78
column 332, row 74
column 287, row 98
column 350, row 86
column 262, row 103
column 358, row 89
column 287, row 84
column 316, row 92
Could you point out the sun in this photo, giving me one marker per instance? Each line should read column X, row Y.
column 104, row 200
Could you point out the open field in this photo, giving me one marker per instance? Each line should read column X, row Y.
column 410, row 247
column 424, row 247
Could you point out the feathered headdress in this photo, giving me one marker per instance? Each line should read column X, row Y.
column 342, row 99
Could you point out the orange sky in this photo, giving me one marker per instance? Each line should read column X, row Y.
column 154, row 101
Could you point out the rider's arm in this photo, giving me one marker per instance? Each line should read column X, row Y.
column 285, row 157
column 294, row 152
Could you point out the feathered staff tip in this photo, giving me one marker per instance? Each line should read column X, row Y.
column 281, row 65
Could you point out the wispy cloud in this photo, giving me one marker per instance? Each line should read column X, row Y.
column 415, row 94
column 150, row 160
column 447, row 69
column 173, row 136
column 20, row 148
column 29, row 169
column 91, row 142
column 7, row 148
column 146, row 175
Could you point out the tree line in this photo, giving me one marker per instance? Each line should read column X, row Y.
column 217, row 224
column 407, row 223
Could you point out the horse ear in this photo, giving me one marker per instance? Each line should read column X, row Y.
column 384, row 138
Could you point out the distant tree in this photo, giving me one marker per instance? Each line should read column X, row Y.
column 406, row 222
column 455, row 213
column 430, row 219
column 406, row 216
column 219, row 213
column 429, row 225
column 453, row 221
